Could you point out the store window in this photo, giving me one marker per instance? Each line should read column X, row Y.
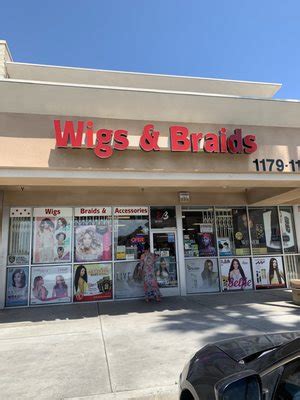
column 131, row 231
column 264, row 230
column 164, row 247
column 199, row 233
column 292, row 267
column 232, row 232
column 163, row 217
column 286, row 219
column 93, row 234
column 52, row 229
column 19, row 236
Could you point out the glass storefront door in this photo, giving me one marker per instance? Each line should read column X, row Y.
column 164, row 246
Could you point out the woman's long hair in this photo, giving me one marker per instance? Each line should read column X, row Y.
column 273, row 269
column 35, row 282
column 77, row 275
column 239, row 268
column 95, row 240
column 207, row 274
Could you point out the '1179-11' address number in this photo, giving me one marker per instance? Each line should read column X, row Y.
column 269, row 164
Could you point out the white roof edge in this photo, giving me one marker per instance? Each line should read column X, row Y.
column 145, row 90
column 149, row 74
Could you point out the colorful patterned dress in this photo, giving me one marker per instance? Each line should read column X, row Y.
column 151, row 288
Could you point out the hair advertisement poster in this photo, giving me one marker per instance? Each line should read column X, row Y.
column 128, row 280
column 202, row 275
column 92, row 282
column 236, row 274
column 93, row 241
column 52, row 235
column 51, row 284
column 241, row 232
column 269, row 272
column 17, row 287
column 206, row 240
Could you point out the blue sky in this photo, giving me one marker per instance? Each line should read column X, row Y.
column 230, row 39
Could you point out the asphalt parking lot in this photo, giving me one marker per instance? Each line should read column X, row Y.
column 129, row 349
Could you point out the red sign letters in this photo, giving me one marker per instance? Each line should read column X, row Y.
column 105, row 141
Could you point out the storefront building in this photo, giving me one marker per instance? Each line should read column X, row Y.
column 94, row 164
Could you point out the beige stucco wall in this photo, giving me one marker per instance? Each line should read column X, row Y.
column 117, row 196
column 27, row 141
column 33, row 172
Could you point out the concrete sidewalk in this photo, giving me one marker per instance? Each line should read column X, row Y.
column 129, row 349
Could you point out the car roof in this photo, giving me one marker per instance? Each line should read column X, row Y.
column 248, row 347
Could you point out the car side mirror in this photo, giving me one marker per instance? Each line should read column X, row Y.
column 243, row 386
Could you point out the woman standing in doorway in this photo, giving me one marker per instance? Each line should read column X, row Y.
column 151, row 288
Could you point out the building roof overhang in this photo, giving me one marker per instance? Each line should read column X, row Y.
column 84, row 76
column 90, row 101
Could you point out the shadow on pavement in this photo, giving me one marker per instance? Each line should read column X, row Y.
column 258, row 311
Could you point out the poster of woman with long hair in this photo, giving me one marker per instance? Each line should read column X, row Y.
column 236, row 274
column 92, row 282
column 269, row 272
column 202, row 275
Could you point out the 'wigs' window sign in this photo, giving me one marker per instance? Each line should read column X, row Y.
column 104, row 141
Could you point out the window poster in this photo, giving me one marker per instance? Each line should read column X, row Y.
column 17, row 287
column 166, row 270
column 19, row 236
column 269, row 272
column 92, row 282
column 206, row 240
column 93, row 234
column 202, row 275
column 288, row 229
column 128, row 280
column 52, row 235
column 264, row 230
column 51, row 284
column 240, row 232
column 224, row 245
column 236, row 274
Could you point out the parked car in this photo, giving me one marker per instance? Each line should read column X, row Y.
column 261, row 367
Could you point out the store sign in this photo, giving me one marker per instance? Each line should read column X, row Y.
column 52, row 212
column 131, row 211
column 163, row 217
column 105, row 141
column 92, row 211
